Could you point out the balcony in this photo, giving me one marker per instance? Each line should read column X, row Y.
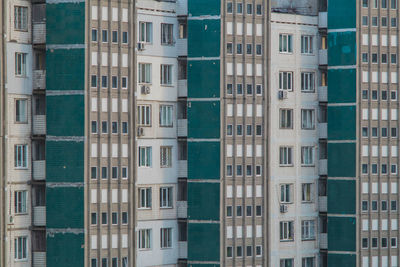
column 182, row 127
column 39, row 79
column 39, row 32
column 39, row 170
column 182, row 168
column 323, row 20
column 323, row 203
column 323, row 57
column 183, row 248
column 39, row 124
column 182, row 209
column 323, row 240
column 323, row 130
column 323, row 93
column 323, row 167
column 182, row 88
column 39, row 259
column 181, row 46
column 39, row 216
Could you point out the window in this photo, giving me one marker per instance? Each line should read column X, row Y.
column 306, row 44
column 365, row 20
column 166, row 74
column 229, row 211
column 365, row 57
column 249, row 49
column 104, row 218
column 167, row 36
column 21, row 248
column 144, row 115
column 93, row 81
column 93, row 263
column 93, row 219
column 104, row 262
column 307, row 155
column 229, row 8
column 307, row 119
column 166, row 116
column 286, row 80
column 229, row 48
column 239, row 8
column 286, row 118
column 125, row 262
column 393, row 22
column 114, row 127
column 124, row 172
column 258, row 50
column 104, row 172
column 104, row 36
column 124, row 37
column 306, row 194
column 124, row 82
column 166, row 237
column 21, row 110
column 365, row 3
column 308, row 262
column 104, row 81
column 114, row 262
column 286, row 231
column 144, row 73
column 307, row 82
column 93, row 172
column 286, row 193
column 238, row 211
column 166, row 197
column 145, row 32
column 144, row 239
column 393, row 58
column 229, row 252
column 285, row 43
column 384, row 3
column 307, row 230
column 259, row 9
column 20, row 18
column 124, row 218
column 285, row 156
column 104, row 127
column 165, row 156
column 21, row 156
column 249, row 9
column 20, row 201
column 20, row 64
column 182, row 29
column 145, row 197
column 239, row 251
column 393, row 4
column 145, row 157
column 286, row 263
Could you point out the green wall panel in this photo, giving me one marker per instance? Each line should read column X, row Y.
column 341, row 234
column 65, row 69
column 203, row 201
column 342, row 123
column 341, row 197
column 203, row 242
column 342, row 159
column 342, row 260
column 64, row 162
column 203, row 78
column 204, row 38
column 204, row 7
column 65, row 249
column 65, row 23
column 342, row 48
column 204, row 119
column 342, row 14
column 339, row 91
column 66, row 209
column 203, row 160
column 65, row 115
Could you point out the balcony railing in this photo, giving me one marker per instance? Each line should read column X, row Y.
column 39, row 216
column 39, row 124
column 182, row 88
column 39, row 170
column 39, row 32
column 39, row 79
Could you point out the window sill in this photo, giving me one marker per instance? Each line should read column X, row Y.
column 23, row 122
column 286, row 165
column 310, row 239
column 285, row 241
column 167, row 126
column 21, row 168
column 166, row 208
column 313, row 165
column 144, row 208
column 167, row 85
column 308, row 92
column 21, row 214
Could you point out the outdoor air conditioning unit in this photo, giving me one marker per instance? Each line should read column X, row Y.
column 141, row 46
column 140, row 131
column 145, row 89
column 283, row 208
column 282, row 94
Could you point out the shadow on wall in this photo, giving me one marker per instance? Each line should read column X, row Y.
column 305, row 7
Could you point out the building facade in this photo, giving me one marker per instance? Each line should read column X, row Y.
column 199, row 133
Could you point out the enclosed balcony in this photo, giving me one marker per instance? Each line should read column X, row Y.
column 39, row 24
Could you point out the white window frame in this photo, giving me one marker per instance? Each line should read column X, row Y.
column 145, row 198
column 20, row 64
column 20, row 18
column 145, row 70
column 167, row 34
column 307, row 192
column 166, row 156
column 286, row 80
column 286, row 230
column 286, row 156
column 307, row 156
column 286, row 262
column 144, row 239
column 308, row 82
column 21, row 248
column 285, row 43
column 305, row 262
column 166, row 197
column 21, row 110
column 21, row 156
column 20, row 200
column 165, row 238
column 166, row 74
column 307, row 46
column 286, row 119
column 145, row 156
column 308, row 119
column 144, row 115
column 308, row 229
column 286, row 193
column 145, row 32
column 166, row 115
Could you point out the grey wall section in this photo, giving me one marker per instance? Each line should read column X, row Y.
column 305, row 7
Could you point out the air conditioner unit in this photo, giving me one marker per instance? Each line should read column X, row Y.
column 145, row 89
column 283, row 208
column 141, row 46
column 282, row 94
column 140, row 131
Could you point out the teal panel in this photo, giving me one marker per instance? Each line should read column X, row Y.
column 341, row 234
column 65, row 69
column 341, row 197
column 203, row 160
column 204, row 7
column 342, row 14
column 64, row 162
column 204, row 38
column 203, row 242
column 65, row 23
column 339, row 91
column 203, row 201
column 342, row 260
column 65, row 249
column 342, row 48
column 203, row 78
column 64, row 207
column 342, row 123
column 65, row 115
column 342, row 159
column 203, row 119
